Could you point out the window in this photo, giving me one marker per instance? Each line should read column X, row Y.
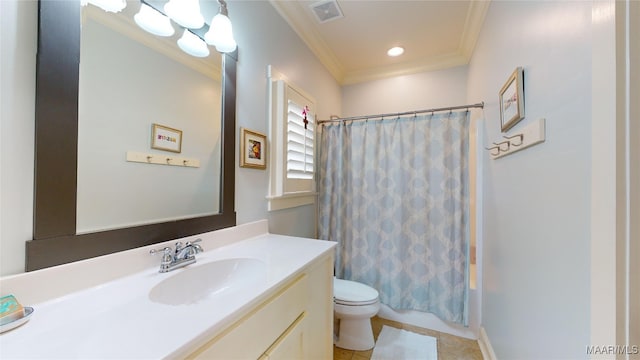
column 299, row 154
column 292, row 174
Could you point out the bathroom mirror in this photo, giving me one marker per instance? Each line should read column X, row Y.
column 55, row 237
column 133, row 84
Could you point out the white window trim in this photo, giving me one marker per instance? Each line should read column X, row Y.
column 278, row 197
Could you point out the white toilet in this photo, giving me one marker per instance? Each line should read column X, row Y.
column 354, row 305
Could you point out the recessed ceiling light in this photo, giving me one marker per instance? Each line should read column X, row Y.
column 395, row 51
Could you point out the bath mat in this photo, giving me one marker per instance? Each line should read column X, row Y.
column 396, row 344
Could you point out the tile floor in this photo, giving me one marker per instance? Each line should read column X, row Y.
column 449, row 347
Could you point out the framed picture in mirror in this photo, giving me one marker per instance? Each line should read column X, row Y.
column 166, row 138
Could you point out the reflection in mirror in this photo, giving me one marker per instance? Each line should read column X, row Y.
column 130, row 80
column 55, row 240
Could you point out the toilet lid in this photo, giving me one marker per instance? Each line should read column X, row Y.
column 351, row 292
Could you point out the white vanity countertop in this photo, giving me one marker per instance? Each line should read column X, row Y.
column 118, row 320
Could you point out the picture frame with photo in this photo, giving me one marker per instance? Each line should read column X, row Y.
column 253, row 149
column 166, row 138
column 511, row 100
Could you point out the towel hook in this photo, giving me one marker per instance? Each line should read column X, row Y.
column 497, row 148
column 521, row 136
column 499, row 145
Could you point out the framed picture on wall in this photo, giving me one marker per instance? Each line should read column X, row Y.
column 253, row 149
column 166, row 138
column 511, row 102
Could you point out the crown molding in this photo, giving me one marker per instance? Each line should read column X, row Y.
column 472, row 26
column 295, row 15
column 431, row 64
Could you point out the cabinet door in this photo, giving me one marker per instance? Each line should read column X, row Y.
column 290, row 345
column 250, row 337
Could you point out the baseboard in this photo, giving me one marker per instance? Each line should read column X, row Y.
column 485, row 346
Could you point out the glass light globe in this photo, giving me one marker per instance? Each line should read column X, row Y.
column 220, row 34
column 193, row 45
column 185, row 12
column 153, row 21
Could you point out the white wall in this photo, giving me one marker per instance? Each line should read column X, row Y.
column 405, row 93
column 536, row 240
column 263, row 38
column 18, row 33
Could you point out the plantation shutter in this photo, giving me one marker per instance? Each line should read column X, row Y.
column 299, row 151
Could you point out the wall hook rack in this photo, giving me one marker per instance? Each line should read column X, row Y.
column 532, row 134
column 158, row 159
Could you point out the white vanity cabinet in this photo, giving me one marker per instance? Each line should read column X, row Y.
column 285, row 312
column 294, row 322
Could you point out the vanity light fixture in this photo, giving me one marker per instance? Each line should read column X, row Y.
column 185, row 12
column 151, row 20
column 395, row 51
column 220, row 32
column 114, row 6
column 193, row 45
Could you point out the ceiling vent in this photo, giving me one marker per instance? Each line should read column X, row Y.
column 326, row 10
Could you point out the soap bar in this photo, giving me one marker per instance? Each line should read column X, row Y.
column 10, row 309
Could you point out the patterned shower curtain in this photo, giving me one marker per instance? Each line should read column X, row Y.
column 394, row 194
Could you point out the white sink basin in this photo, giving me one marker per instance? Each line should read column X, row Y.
column 196, row 283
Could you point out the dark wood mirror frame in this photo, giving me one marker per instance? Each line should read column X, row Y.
column 56, row 138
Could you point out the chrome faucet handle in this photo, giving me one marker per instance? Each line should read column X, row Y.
column 190, row 243
column 167, row 258
column 196, row 248
column 165, row 250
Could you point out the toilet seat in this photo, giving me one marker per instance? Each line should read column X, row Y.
column 351, row 293
column 354, row 303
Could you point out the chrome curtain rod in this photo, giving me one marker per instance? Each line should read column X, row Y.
column 381, row 116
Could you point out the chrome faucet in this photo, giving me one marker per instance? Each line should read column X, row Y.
column 183, row 255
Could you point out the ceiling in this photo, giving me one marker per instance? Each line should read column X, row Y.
column 435, row 35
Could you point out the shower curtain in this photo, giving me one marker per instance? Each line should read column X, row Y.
column 394, row 195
